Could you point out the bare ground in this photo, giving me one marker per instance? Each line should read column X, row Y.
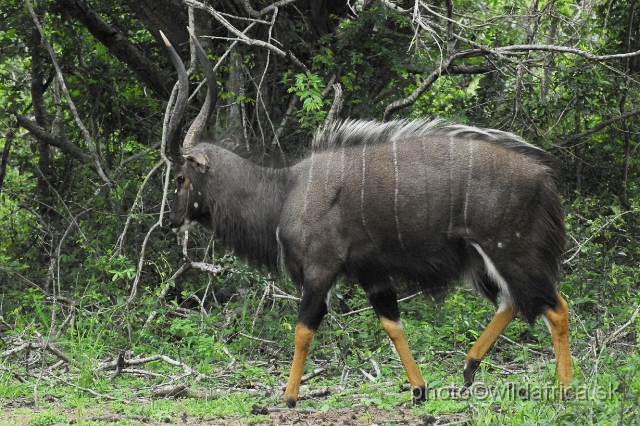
column 21, row 412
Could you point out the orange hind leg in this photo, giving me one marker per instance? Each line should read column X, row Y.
column 396, row 334
column 384, row 302
column 558, row 322
column 501, row 319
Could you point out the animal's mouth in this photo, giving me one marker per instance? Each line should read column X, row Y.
column 186, row 224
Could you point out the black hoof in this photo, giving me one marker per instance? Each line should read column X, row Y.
column 291, row 403
column 470, row 371
column 419, row 395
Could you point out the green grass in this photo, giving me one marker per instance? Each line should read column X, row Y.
column 512, row 385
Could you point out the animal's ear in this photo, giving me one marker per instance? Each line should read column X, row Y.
column 199, row 159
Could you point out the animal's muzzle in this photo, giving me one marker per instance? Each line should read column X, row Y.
column 180, row 227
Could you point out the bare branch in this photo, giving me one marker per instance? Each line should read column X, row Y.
column 243, row 38
column 597, row 128
column 91, row 391
column 552, row 48
column 470, row 69
column 368, row 308
column 624, row 326
column 118, row 44
column 336, row 106
column 255, row 14
column 136, row 157
column 287, row 115
column 580, row 245
column 431, row 78
column 41, row 134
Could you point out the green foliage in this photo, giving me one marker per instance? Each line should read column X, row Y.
column 46, row 419
column 70, row 252
column 308, row 87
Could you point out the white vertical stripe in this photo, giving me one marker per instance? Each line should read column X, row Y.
column 306, row 195
column 468, row 189
column 342, row 167
column 326, row 176
column 395, row 199
column 450, row 183
column 364, row 168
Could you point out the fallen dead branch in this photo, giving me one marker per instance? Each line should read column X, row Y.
column 309, row 376
column 170, row 391
column 138, row 361
column 256, row 411
column 34, row 346
column 115, row 418
column 87, row 390
column 317, row 393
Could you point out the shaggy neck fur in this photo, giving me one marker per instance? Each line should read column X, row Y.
column 244, row 201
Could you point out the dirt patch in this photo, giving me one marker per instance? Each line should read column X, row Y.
column 358, row 416
column 345, row 416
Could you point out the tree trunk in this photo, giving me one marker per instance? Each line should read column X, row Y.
column 235, row 85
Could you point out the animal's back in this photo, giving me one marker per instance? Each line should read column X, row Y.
column 412, row 208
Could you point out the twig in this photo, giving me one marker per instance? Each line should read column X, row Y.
column 137, row 361
column 314, row 373
column 375, row 367
column 367, row 375
column 255, row 14
column 624, row 326
column 286, row 296
column 115, row 418
column 15, row 350
column 233, row 359
column 120, row 241
column 317, row 393
column 577, row 250
column 34, row 346
column 257, row 338
column 136, row 157
column 165, row 190
column 207, row 267
column 242, row 37
column 287, row 115
column 91, row 391
column 176, row 391
column 404, row 299
column 286, row 410
column 514, row 342
column 66, row 358
column 596, row 128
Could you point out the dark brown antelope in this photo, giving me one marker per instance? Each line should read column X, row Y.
column 406, row 201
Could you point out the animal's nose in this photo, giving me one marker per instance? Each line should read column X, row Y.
column 170, row 225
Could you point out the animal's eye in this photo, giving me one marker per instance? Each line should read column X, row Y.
column 180, row 180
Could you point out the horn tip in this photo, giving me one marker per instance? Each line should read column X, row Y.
column 164, row 38
column 191, row 33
